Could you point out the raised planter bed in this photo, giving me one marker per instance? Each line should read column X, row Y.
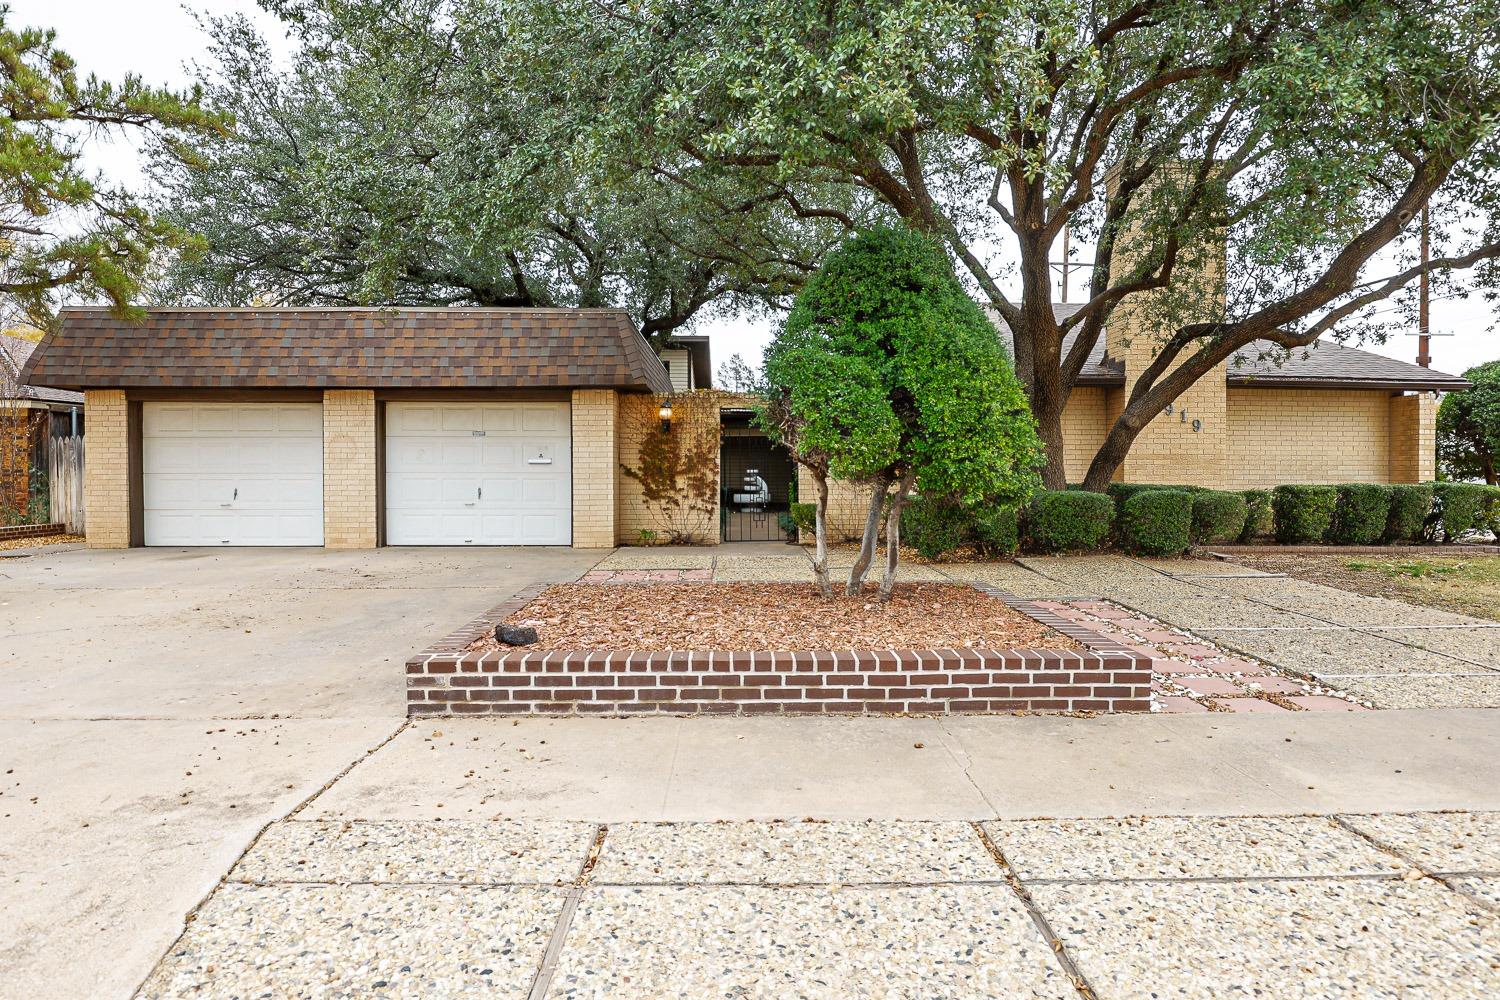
column 1082, row 670
column 14, row 531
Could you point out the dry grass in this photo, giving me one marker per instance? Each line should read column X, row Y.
column 773, row 616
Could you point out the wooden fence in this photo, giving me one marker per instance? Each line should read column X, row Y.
column 65, row 482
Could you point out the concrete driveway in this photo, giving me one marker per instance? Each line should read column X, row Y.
column 159, row 707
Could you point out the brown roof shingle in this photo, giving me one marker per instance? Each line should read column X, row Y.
column 14, row 352
column 349, row 348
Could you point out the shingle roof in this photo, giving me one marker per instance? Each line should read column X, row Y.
column 1325, row 364
column 349, row 348
column 14, row 352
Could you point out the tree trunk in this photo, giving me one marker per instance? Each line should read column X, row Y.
column 1116, row 446
column 867, row 541
column 820, row 530
column 1048, row 414
column 893, row 536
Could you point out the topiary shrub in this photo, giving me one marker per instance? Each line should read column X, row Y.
column 1064, row 520
column 1457, row 508
column 1124, row 491
column 1302, row 514
column 1157, row 522
column 1360, row 513
column 997, row 531
column 934, row 526
column 1218, row 516
column 1410, row 503
column 1259, row 520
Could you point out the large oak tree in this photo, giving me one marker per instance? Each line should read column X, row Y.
column 1287, row 145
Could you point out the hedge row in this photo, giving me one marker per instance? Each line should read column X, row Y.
column 1157, row 520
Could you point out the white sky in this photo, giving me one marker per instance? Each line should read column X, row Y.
column 158, row 38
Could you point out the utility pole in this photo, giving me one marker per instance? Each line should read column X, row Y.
column 1424, row 329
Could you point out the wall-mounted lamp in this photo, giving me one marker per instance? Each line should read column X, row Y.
column 665, row 412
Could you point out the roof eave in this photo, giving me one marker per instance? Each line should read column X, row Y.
column 1445, row 384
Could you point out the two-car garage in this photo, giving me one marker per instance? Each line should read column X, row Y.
column 454, row 473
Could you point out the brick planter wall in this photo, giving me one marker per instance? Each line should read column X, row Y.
column 1106, row 677
column 31, row 531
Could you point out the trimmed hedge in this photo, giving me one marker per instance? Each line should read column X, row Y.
column 997, row 531
column 1063, row 520
column 933, row 527
column 1124, row 491
column 1302, row 514
column 1407, row 517
column 1157, row 522
column 1360, row 513
column 1458, row 508
column 1259, row 520
column 1218, row 516
column 804, row 515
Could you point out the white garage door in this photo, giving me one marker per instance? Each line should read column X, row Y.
column 232, row 473
column 478, row 474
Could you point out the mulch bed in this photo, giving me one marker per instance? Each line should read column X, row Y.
column 772, row 616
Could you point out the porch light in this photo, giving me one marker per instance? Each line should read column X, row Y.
column 665, row 412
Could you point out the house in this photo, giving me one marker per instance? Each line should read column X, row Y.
column 29, row 414
column 353, row 428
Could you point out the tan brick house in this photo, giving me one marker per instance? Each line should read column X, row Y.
column 352, row 428
column 29, row 414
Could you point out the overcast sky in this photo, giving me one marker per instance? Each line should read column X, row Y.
column 158, row 38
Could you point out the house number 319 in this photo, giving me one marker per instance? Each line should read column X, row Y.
column 1183, row 417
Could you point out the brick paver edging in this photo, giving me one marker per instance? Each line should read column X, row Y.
column 31, row 531
column 1106, row 677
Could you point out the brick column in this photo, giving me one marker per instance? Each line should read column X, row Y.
column 106, row 469
column 350, row 496
column 596, row 461
column 1413, row 437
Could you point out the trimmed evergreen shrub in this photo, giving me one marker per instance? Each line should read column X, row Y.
column 997, row 531
column 1157, row 522
column 1302, row 514
column 1457, row 508
column 1360, row 513
column 1410, row 503
column 934, row 526
column 1124, row 491
column 1218, row 516
column 804, row 515
column 1063, row 520
column 1258, row 517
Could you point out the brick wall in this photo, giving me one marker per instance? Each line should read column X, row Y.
column 106, row 469
column 596, row 464
column 350, row 497
column 695, row 426
column 1413, row 438
column 1306, row 436
column 15, row 457
column 1084, row 424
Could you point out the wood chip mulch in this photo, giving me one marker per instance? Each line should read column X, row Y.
column 739, row 617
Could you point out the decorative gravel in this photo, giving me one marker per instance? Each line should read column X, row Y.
column 319, row 941
column 1185, row 847
column 1094, row 570
column 1439, row 842
column 918, row 943
column 668, row 557
column 1362, row 938
column 1201, row 567
column 763, row 569
column 772, row 853
column 1220, row 612
column 1407, row 691
column 1485, row 888
column 1339, row 606
column 1478, row 645
column 1017, row 580
column 491, row 852
column 746, row 616
column 1336, row 652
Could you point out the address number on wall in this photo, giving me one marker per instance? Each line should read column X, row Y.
column 1182, row 415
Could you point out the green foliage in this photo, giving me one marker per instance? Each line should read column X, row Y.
column 1218, row 516
column 1302, row 514
column 1361, row 512
column 997, row 530
column 1259, row 519
column 935, row 527
column 1468, row 427
column 886, row 366
column 804, row 515
column 1458, row 508
column 1157, row 522
column 63, row 229
column 1124, row 491
column 1068, row 520
column 1410, row 503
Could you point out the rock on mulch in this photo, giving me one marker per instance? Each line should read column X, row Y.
column 773, row 616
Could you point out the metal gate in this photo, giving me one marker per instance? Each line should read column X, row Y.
column 758, row 483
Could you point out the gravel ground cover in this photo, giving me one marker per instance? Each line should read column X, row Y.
column 840, row 852
column 763, row 569
column 1468, row 583
column 1205, row 612
column 1439, row 842
column 1201, row 567
column 696, row 942
column 1319, row 938
column 1484, row 888
column 1339, row 606
column 360, row 940
column 1478, row 645
column 1186, row 847
column 1425, row 691
column 494, row 852
column 1337, row 652
column 665, row 557
column 749, row 616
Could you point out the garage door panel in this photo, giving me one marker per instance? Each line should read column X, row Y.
column 232, row 473
column 435, row 478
